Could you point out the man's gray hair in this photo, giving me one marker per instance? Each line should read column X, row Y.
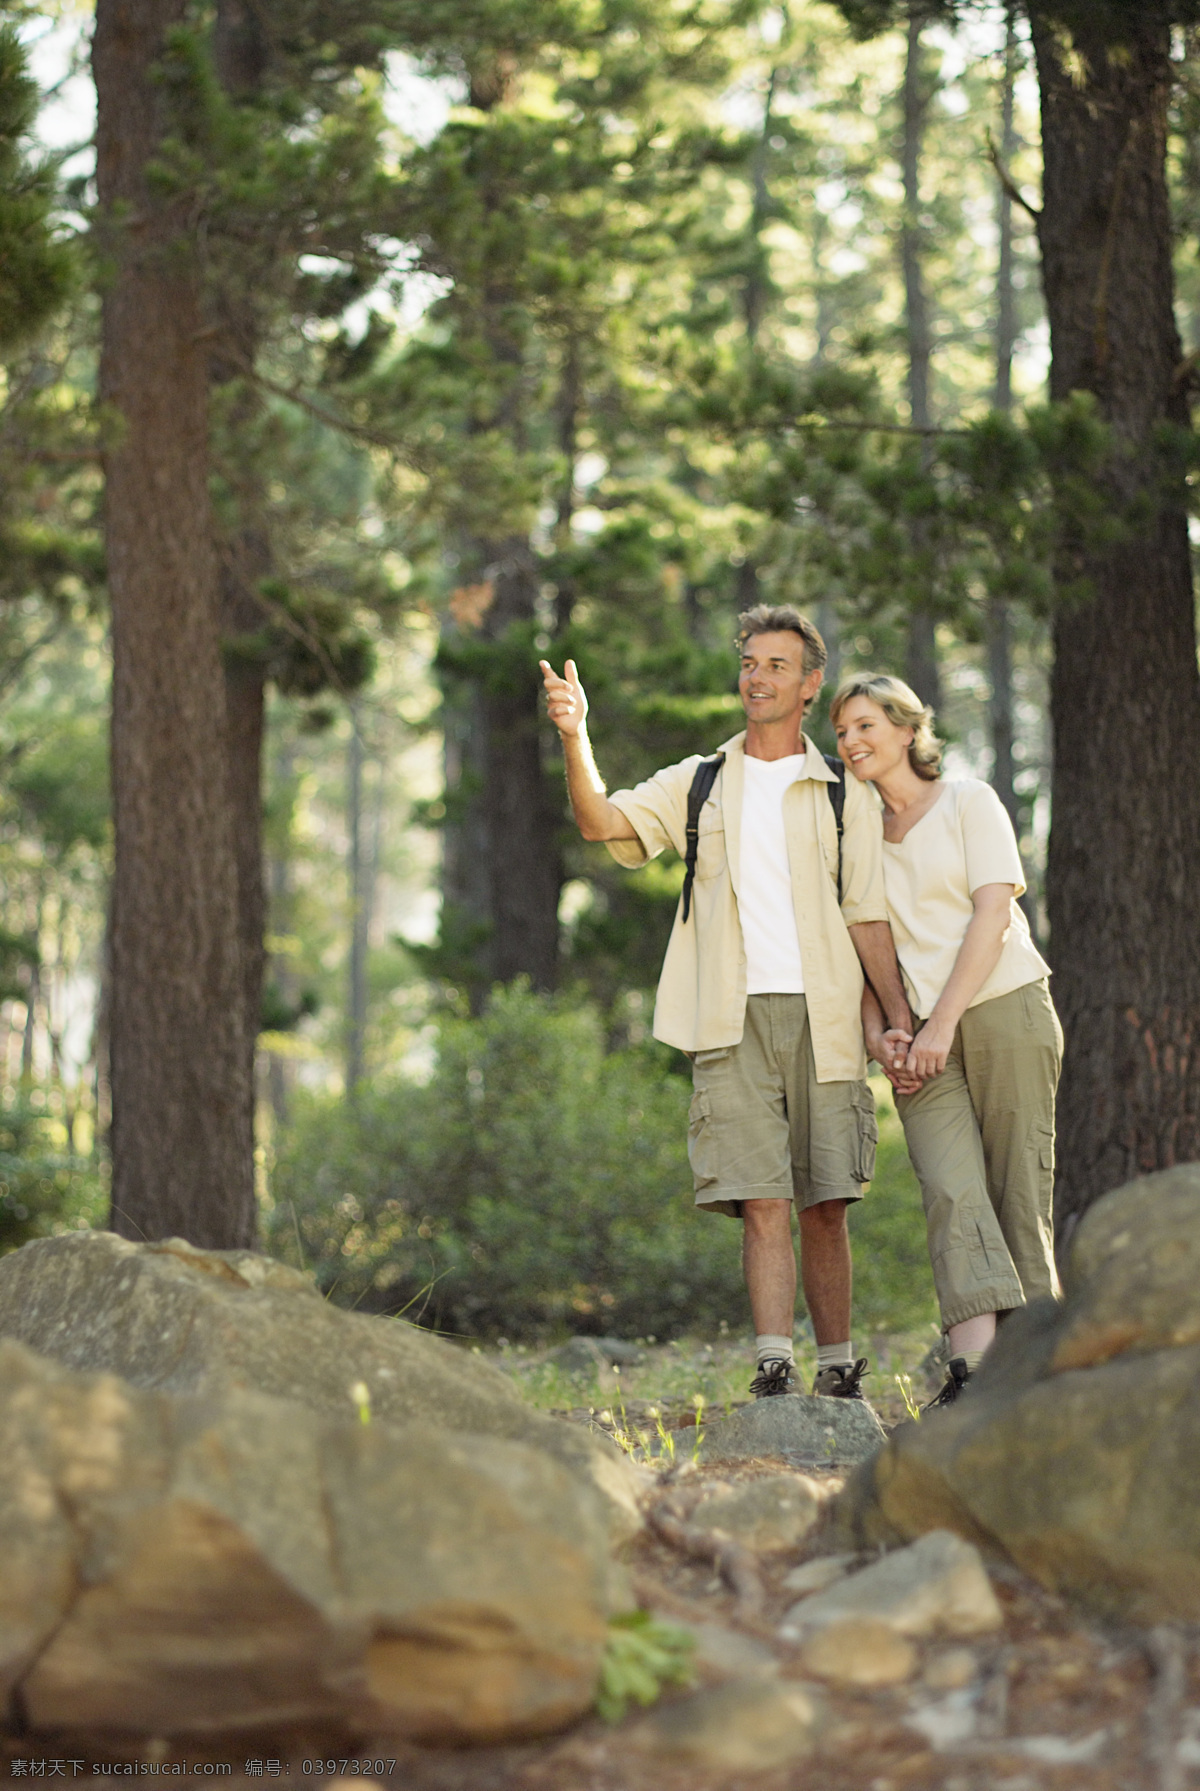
column 781, row 618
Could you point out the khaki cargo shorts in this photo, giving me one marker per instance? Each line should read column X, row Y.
column 761, row 1127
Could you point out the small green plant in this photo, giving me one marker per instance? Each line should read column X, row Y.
column 642, row 1656
column 360, row 1395
column 699, row 1402
column 666, row 1438
column 904, row 1382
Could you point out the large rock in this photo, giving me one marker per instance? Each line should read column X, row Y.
column 747, row 1725
column 1076, row 1451
column 179, row 1320
column 800, row 1429
column 938, row 1586
column 775, row 1512
column 198, row 1564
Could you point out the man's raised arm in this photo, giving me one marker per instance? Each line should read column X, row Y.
column 595, row 815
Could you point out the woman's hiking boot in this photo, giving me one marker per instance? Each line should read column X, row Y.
column 958, row 1375
column 842, row 1381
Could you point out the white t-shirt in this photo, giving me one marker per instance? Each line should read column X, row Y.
column 964, row 841
column 765, row 905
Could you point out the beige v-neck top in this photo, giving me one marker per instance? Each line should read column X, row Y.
column 964, row 841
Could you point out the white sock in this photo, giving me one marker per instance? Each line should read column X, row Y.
column 834, row 1355
column 774, row 1349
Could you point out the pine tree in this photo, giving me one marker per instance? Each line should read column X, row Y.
column 182, row 1149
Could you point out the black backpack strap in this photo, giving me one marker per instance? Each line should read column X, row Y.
column 837, row 798
column 702, row 783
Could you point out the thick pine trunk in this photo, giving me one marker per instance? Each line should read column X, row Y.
column 240, row 56
column 1124, row 870
column 522, row 806
column 998, row 621
column 182, row 1151
column 245, row 711
column 502, row 868
column 921, row 660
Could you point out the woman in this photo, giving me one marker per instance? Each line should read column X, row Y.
column 975, row 1087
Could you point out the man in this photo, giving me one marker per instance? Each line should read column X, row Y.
column 762, row 982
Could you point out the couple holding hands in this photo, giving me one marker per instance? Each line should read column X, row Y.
column 835, row 908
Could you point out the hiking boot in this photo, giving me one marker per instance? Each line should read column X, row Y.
column 957, row 1377
column 842, row 1381
column 773, row 1378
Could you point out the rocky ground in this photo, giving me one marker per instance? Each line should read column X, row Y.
column 1046, row 1698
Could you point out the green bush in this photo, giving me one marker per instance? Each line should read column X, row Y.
column 536, row 1183
column 44, row 1189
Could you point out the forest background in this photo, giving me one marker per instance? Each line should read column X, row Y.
column 472, row 334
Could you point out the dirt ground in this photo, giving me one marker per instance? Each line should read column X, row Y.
column 1054, row 1700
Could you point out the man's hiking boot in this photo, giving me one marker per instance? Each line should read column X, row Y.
column 958, row 1375
column 843, row 1381
column 772, row 1379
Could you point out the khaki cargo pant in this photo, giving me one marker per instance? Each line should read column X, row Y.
column 981, row 1139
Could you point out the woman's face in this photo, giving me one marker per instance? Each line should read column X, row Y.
column 868, row 742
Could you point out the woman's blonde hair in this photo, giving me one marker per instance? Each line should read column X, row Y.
column 903, row 707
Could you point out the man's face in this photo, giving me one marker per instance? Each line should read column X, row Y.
column 773, row 685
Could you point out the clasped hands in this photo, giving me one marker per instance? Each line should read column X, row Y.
column 906, row 1061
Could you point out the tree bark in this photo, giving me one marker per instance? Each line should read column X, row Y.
column 998, row 620
column 360, row 919
column 240, row 57
column 182, row 1151
column 1124, row 868
column 921, row 661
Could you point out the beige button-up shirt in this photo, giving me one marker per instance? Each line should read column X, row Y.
column 701, row 1003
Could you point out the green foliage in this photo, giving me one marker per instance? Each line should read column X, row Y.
column 35, row 270
column 45, row 1188
column 534, row 1183
column 643, row 1655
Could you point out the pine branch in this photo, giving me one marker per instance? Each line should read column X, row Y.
column 1007, row 182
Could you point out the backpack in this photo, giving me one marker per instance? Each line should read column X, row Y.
column 698, row 795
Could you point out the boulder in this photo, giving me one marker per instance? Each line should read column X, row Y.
column 938, row 1586
column 746, row 1725
column 584, row 1355
column 772, row 1513
column 728, row 1653
column 179, row 1320
column 1076, row 1451
column 815, row 1575
column 857, row 1651
column 802, row 1430
column 199, row 1564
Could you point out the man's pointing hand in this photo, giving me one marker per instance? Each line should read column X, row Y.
column 565, row 701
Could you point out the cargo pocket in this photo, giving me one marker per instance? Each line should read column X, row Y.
column 701, row 1144
column 868, row 1132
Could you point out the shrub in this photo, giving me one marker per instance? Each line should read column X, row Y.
column 44, row 1189
column 535, row 1183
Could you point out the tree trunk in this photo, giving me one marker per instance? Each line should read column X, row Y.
column 245, row 708
column 240, row 56
column 921, row 661
column 522, row 807
column 998, row 621
column 356, row 993
column 182, row 1150
column 1124, row 869
column 502, row 851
